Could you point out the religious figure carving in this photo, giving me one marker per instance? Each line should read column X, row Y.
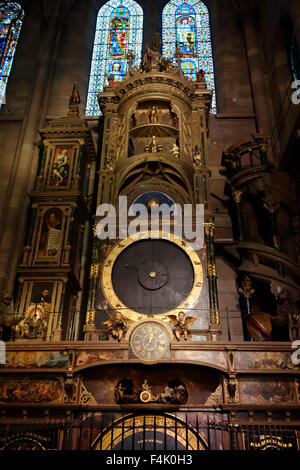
column 153, row 146
column 117, row 327
column 34, row 325
column 151, row 60
column 61, row 167
column 153, row 115
column 197, row 158
column 110, row 163
column 181, row 325
column 200, row 76
column 175, row 150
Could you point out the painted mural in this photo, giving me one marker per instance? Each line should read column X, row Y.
column 263, row 360
column 218, row 358
column 267, row 390
column 28, row 390
column 39, row 359
column 87, row 357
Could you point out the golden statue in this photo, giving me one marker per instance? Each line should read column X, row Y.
column 117, row 327
column 181, row 325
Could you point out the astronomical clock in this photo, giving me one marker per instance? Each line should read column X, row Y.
column 154, row 155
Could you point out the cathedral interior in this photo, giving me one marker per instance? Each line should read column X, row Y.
column 150, row 342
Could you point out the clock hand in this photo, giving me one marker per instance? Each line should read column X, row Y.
column 129, row 267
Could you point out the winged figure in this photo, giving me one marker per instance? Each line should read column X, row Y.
column 181, row 325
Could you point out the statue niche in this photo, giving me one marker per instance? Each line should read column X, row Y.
column 154, row 127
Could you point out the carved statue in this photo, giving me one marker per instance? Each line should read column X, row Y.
column 153, row 115
column 117, row 326
column 197, row 158
column 111, row 80
column 153, row 147
column 8, row 320
column 181, row 325
column 34, row 325
column 175, row 150
column 130, row 57
column 110, row 163
column 200, row 76
column 151, row 60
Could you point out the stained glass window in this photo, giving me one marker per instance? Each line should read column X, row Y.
column 119, row 30
column 186, row 26
column 11, row 17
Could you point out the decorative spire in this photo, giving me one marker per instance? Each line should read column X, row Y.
column 74, row 102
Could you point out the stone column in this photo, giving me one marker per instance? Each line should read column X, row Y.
column 261, row 103
column 272, row 207
column 237, row 198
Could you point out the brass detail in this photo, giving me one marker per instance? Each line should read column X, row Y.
column 152, row 274
column 246, row 290
column 115, row 302
column 90, row 317
column 95, row 268
column 237, row 195
column 270, row 205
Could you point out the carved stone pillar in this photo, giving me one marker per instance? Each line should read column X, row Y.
column 272, row 207
column 237, row 198
column 247, row 12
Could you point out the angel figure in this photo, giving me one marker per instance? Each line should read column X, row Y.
column 181, row 325
column 117, row 327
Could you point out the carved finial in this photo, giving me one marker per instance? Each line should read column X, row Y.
column 74, row 102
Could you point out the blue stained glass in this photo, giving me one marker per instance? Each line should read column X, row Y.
column 119, row 29
column 11, row 17
column 186, row 26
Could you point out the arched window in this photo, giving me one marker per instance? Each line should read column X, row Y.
column 186, row 26
column 11, row 17
column 119, row 30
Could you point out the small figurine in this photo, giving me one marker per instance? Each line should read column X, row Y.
column 34, row 326
column 153, row 115
column 111, row 80
column 117, row 326
column 153, row 147
column 110, row 163
column 200, row 76
column 130, row 57
column 197, row 157
column 175, row 150
column 181, row 325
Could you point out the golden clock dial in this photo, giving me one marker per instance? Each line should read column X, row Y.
column 152, row 276
column 149, row 341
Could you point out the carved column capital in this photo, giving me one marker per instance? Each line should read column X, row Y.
column 237, row 195
column 270, row 205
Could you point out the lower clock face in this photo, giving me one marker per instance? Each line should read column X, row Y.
column 149, row 341
column 152, row 276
